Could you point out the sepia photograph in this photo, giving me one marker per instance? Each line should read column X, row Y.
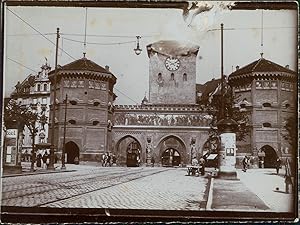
column 141, row 111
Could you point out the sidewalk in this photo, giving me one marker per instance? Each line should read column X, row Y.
column 254, row 191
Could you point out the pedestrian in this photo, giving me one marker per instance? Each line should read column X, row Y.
column 245, row 163
column 47, row 161
column 195, row 162
column 108, row 159
column 202, row 165
column 152, row 161
column 278, row 164
column 114, row 160
column 39, row 160
column 45, row 156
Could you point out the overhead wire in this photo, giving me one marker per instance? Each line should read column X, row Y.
column 38, row 32
column 58, row 47
column 98, row 43
column 21, row 64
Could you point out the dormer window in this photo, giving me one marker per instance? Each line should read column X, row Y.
column 287, row 106
column 184, row 77
column 266, row 125
column 96, row 103
column 267, row 104
column 73, row 102
column 72, row 122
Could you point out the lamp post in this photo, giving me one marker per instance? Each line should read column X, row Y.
column 63, row 166
column 51, row 164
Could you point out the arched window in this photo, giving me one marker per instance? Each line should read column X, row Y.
column 96, row 103
column 266, row 125
column 172, row 76
column 95, row 122
column 45, row 87
column 184, row 77
column 73, row 102
column 267, row 104
column 72, row 121
column 38, row 87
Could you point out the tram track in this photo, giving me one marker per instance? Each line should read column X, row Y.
column 85, row 186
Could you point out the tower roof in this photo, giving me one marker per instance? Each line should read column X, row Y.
column 83, row 66
column 172, row 48
column 261, row 65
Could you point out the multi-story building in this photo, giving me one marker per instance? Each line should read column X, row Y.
column 34, row 92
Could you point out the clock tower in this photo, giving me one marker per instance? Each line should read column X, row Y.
column 172, row 75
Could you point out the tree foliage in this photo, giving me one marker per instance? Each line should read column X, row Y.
column 225, row 104
column 291, row 131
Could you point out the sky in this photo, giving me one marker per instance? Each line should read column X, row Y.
column 111, row 37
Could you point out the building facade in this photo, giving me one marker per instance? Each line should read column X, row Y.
column 172, row 125
column 34, row 92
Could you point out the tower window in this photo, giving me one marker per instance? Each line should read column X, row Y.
column 159, row 77
column 266, row 125
column 45, row 87
column 95, row 122
column 172, row 76
column 184, row 77
column 72, row 121
column 38, row 87
column 73, row 102
column 266, row 104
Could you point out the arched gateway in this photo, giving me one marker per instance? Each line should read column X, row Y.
column 72, row 151
column 128, row 151
column 270, row 156
column 172, row 151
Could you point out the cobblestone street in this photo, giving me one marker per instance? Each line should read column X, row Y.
column 103, row 187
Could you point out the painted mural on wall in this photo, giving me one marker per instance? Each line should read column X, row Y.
column 162, row 119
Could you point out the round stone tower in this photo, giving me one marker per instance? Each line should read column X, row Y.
column 267, row 91
column 88, row 88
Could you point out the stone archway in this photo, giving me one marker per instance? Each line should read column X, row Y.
column 172, row 151
column 72, row 151
column 128, row 151
column 270, row 156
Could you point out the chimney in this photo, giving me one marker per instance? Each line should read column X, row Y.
column 287, row 66
column 237, row 67
column 107, row 67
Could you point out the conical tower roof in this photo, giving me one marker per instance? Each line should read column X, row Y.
column 260, row 66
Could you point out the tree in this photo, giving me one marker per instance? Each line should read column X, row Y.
column 291, row 131
column 224, row 104
column 25, row 115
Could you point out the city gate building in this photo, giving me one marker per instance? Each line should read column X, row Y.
column 89, row 90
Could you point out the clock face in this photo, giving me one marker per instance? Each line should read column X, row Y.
column 172, row 64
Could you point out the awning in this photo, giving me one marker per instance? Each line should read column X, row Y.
column 212, row 156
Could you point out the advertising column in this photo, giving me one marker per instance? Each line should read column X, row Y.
column 11, row 154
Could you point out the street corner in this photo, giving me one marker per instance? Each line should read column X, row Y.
column 234, row 195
